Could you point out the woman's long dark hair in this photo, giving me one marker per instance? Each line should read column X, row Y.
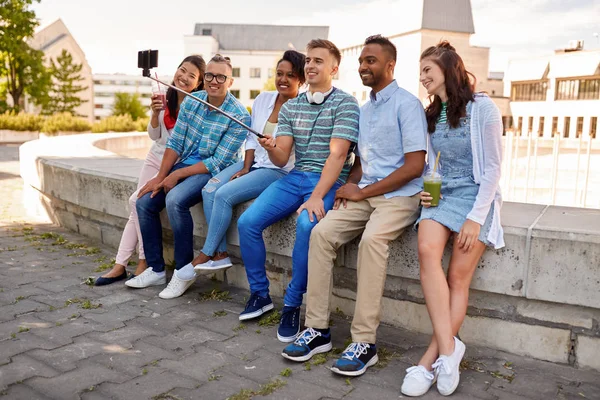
column 460, row 85
column 199, row 63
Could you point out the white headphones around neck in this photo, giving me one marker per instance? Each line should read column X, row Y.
column 317, row 97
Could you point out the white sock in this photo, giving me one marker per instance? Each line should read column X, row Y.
column 186, row 273
column 160, row 274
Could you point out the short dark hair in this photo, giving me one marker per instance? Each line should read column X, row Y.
column 383, row 42
column 325, row 44
column 297, row 60
column 219, row 59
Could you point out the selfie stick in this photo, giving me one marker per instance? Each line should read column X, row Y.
column 146, row 73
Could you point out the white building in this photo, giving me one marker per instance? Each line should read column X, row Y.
column 107, row 85
column 433, row 21
column 556, row 94
column 254, row 50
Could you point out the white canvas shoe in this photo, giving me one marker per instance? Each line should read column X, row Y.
column 146, row 279
column 448, row 369
column 176, row 287
column 417, row 381
column 212, row 265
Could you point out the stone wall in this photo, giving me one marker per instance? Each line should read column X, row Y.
column 539, row 296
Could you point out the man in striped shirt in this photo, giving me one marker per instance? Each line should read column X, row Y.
column 203, row 143
column 322, row 125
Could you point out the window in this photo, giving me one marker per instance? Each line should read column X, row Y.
column 579, row 129
column 529, row 91
column 235, row 93
column 254, row 72
column 578, row 89
column 566, row 127
column 254, row 94
column 519, row 126
column 554, row 125
column 235, row 72
column 206, row 32
column 507, row 122
column 271, row 73
column 593, row 127
column 98, row 105
column 541, row 127
column 529, row 125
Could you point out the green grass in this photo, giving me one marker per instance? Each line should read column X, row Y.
column 240, row 327
column 271, row 319
column 213, row 377
column 263, row 390
column 221, row 313
column 23, row 329
column 19, row 298
column 286, row 372
column 88, row 305
column 215, row 294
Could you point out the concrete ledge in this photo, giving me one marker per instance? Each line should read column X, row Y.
column 8, row 136
column 537, row 297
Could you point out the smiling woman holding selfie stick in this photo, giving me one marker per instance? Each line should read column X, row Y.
column 189, row 77
column 466, row 131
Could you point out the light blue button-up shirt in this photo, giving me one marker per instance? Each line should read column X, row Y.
column 392, row 123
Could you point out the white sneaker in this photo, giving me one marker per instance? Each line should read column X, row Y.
column 147, row 278
column 212, row 265
column 417, row 381
column 448, row 369
column 176, row 287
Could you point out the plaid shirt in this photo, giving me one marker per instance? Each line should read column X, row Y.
column 205, row 134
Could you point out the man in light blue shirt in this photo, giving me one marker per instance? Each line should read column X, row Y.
column 379, row 200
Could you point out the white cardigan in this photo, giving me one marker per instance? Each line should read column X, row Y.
column 486, row 145
column 160, row 134
column 261, row 111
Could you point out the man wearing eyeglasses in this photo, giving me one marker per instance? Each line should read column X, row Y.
column 203, row 143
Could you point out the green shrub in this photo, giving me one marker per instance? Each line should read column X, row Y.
column 116, row 123
column 21, row 121
column 142, row 124
column 65, row 122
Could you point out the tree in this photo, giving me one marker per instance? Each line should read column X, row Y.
column 23, row 67
column 65, row 76
column 129, row 103
column 270, row 84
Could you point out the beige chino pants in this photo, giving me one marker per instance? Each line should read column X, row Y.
column 381, row 220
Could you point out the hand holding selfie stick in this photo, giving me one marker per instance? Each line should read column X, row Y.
column 148, row 59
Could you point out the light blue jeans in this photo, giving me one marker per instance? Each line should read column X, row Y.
column 220, row 195
column 278, row 201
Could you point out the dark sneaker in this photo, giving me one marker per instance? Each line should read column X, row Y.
column 309, row 343
column 356, row 359
column 256, row 306
column 289, row 324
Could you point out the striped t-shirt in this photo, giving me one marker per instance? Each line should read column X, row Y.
column 314, row 125
column 443, row 118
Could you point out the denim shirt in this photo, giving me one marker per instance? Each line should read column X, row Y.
column 392, row 123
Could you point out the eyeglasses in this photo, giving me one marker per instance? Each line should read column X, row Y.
column 208, row 77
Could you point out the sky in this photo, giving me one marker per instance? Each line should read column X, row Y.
column 110, row 32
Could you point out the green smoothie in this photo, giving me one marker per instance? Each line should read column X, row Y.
column 433, row 186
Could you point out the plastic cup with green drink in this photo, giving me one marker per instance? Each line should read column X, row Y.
column 432, row 184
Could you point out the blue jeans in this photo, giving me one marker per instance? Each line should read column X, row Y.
column 220, row 195
column 178, row 202
column 278, row 201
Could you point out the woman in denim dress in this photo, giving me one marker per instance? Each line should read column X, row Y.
column 466, row 129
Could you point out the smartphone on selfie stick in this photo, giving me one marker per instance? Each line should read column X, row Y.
column 148, row 59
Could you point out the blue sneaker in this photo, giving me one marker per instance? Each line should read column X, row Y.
column 309, row 343
column 289, row 324
column 256, row 306
column 356, row 359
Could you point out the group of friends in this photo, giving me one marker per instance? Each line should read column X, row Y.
column 345, row 171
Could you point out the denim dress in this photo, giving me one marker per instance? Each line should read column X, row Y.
column 459, row 189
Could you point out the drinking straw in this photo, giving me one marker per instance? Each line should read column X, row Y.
column 156, row 75
column 437, row 160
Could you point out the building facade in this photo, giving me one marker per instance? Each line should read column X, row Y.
column 434, row 20
column 557, row 94
column 52, row 40
column 107, row 85
column 254, row 50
